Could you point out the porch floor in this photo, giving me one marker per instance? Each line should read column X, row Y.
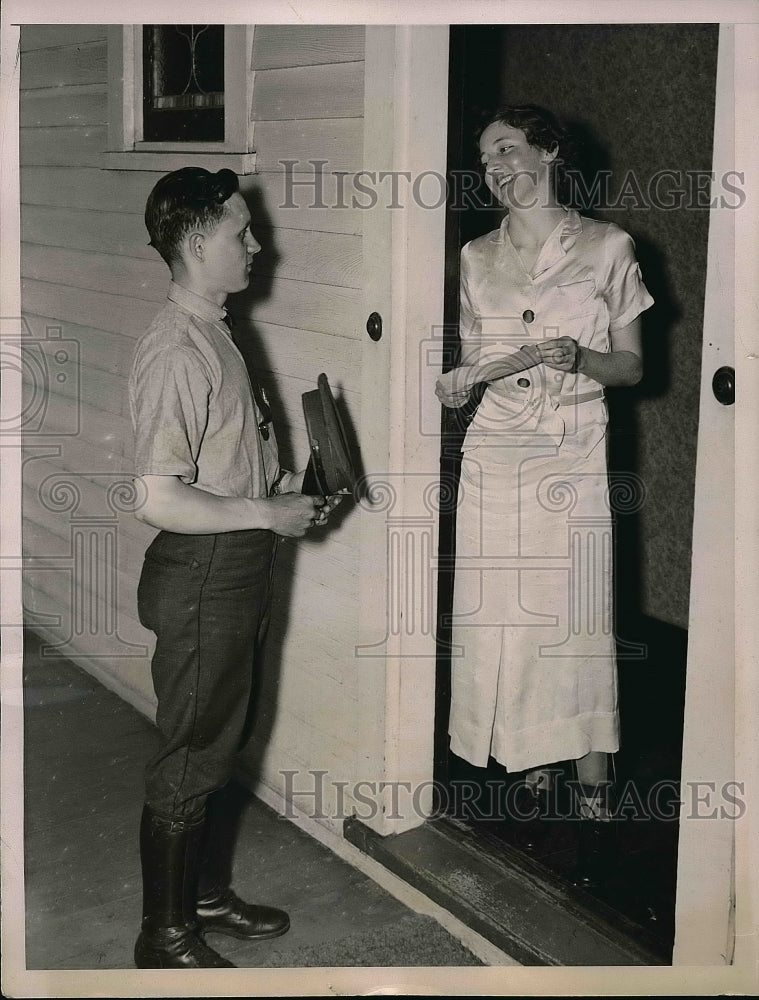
column 84, row 754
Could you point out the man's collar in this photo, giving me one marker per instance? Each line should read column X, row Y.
column 196, row 304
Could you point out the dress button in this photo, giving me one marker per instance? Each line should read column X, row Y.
column 523, row 382
column 528, row 315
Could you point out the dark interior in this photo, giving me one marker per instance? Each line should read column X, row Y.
column 641, row 99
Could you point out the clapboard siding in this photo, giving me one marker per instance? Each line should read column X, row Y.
column 334, row 143
column 321, row 206
column 312, row 695
column 101, row 231
column 88, row 274
column 79, row 456
column 56, row 36
column 274, row 349
column 278, row 45
column 76, row 65
column 94, row 388
column 50, row 546
column 65, row 418
column 83, row 467
column 38, row 520
column 144, row 279
column 308, row 605
column 100, row 349
column 102, row 310
column 87, row 105
column 326, row 258
column 334, row 91
column 302, row 353
column 48, row 588
column 91, row 484
column 305, row 305
column 298, row 304
column 107, row 231
column 86, row 187
column 318, row 561
column 123, row 671
column 75, row 146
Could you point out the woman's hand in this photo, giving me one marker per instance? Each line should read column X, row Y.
column 563, row 353
column 451, row 388
column 622, row 365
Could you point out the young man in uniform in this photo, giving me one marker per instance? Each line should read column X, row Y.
column 206, row 456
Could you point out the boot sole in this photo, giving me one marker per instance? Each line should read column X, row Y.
column 228, row 932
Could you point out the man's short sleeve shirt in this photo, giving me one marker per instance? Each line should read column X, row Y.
column 191, row 403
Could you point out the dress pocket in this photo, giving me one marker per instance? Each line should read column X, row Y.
column 576, row 298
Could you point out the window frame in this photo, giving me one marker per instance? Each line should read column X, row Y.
column 126, row 148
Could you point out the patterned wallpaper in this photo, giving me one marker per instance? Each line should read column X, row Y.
column 641, row 97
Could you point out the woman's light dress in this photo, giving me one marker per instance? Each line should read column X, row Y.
column 533, row 671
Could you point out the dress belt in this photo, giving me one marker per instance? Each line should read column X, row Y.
column 579, row 397
column 569, row 399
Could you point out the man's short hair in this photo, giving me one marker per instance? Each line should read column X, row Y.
column 185, row 200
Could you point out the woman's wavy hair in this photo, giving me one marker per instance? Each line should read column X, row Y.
column 543, row 131
column 185, row 200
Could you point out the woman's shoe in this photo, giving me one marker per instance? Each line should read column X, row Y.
column 596, row 852
column 596, row 835
column 529, row 809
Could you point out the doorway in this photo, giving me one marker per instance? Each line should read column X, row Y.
column 641, row 100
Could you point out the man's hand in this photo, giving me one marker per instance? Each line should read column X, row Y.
column 172, row 505
column 292, row 514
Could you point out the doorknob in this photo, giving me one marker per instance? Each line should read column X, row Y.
column 723, row 385
column 374, row 326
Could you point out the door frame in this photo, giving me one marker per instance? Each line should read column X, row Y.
column 712, row 925
column 405, row 126
column 406, row 115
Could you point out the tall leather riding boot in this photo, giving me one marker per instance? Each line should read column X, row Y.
column 597, row 836
column 218, row 908
column 170, row 938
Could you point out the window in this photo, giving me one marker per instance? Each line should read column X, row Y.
column 178, row 89
column 183, row 82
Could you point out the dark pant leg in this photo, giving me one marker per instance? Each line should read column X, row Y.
column 206, row 598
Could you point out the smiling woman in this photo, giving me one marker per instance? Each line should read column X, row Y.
column 536, row 682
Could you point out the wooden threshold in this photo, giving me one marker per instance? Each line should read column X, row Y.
column 518, row 905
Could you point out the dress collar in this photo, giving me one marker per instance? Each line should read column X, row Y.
column 196, row 304
column 556, row 246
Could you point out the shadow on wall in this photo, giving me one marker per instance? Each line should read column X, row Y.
column 252, row 346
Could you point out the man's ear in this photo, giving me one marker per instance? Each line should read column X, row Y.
column 196, row 246
column 549, row 155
